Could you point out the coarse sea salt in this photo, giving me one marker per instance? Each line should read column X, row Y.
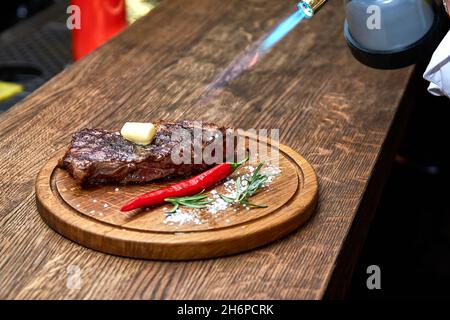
column 181, row 217
column 217, row 204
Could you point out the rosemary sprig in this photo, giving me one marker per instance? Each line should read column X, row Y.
column 197, row 201
column 253, row 184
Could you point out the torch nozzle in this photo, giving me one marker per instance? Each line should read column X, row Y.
column 310, row 7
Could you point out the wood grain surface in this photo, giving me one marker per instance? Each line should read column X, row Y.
column 91, row 216
column 331, row 109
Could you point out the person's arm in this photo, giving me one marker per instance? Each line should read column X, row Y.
column 447, row 6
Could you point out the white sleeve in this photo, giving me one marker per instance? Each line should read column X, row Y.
column 438, row 70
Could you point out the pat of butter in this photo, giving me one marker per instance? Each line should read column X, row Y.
column 138, row 132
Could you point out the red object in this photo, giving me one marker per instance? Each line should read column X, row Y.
column 184, row 188
column 100, row 20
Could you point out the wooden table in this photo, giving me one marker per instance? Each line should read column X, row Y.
column 336, row 112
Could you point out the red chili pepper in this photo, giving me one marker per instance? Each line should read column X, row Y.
column 184, row 188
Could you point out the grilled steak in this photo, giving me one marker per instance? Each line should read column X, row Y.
column 100, row 156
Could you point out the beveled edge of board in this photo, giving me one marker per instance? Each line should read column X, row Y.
column 213, row 243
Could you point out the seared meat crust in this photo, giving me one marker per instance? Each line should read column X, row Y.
column 101, row 156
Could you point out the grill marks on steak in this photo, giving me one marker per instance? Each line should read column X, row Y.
column 101, row 156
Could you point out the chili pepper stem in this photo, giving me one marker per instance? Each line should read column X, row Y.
column 235, row 165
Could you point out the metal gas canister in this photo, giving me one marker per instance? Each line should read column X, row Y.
column 389, row 34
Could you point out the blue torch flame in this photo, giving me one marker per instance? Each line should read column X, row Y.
column 304, row 11
column 261, row 47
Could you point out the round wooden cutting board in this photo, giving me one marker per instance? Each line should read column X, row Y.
column 90, row 216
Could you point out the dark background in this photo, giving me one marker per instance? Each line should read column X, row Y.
column 409, row 238
column 14, row 11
